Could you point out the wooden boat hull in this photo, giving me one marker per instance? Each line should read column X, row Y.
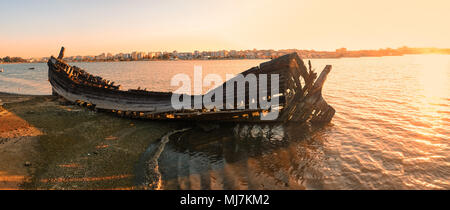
column 300, row 94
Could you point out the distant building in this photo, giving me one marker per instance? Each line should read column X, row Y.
column 134, row 55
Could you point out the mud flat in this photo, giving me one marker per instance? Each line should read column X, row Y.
column 46, row 143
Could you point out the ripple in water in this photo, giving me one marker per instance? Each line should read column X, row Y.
column 391, row 129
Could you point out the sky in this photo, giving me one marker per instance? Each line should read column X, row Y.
column 31, row 28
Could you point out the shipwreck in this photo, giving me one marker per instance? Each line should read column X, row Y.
column 299, row 95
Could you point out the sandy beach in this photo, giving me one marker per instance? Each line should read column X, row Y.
column 48, row 144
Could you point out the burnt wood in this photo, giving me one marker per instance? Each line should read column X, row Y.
column 300, row 94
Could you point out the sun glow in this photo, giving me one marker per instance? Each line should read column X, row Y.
column 433, row 90
column 35, row 29
column 434, row 76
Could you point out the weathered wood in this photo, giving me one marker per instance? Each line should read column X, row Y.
column 61, row 53
column 300, row 94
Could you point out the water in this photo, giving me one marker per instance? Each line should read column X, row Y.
column 391, row 129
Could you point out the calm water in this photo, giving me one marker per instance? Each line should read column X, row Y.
column 391, row 129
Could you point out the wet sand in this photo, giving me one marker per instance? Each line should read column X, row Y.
column 48, row 144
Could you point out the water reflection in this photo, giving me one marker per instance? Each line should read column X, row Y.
column 391, row 129
column 243, row 156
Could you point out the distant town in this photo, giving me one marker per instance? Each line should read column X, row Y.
column 233, row 54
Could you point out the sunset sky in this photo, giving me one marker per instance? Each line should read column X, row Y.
column 38, row 28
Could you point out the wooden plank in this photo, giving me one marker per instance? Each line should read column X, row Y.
column 300, row 99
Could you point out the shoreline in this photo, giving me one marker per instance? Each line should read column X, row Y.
column 46, row 143
column 59, row 146
column 231, row 59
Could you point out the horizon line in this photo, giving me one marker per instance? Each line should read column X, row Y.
column 238, row 50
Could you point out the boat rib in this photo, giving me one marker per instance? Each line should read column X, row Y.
column 300, row 94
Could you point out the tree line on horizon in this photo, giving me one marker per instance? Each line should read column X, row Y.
column 8, row 59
